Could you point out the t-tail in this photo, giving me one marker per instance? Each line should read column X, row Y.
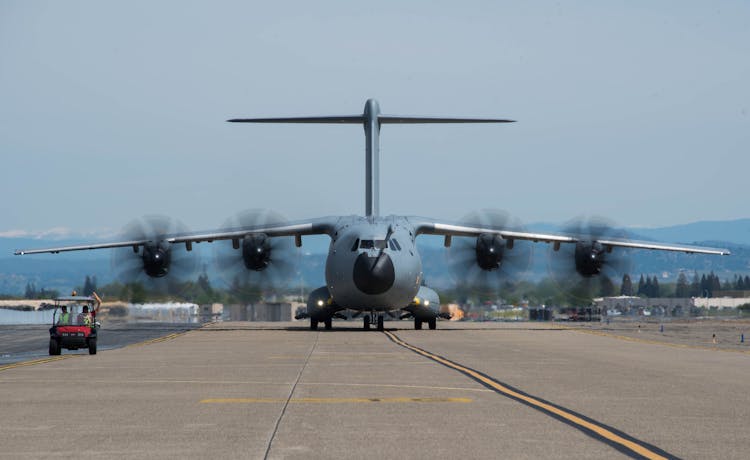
column 371, row 119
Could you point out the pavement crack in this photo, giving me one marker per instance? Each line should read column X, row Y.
column 289, row 397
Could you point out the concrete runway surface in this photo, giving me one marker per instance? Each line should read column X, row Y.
column 471, row 390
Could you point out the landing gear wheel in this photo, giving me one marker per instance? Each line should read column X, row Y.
column 313, row 325
column 366, row 323
column 54, row 347
column 92, row 346
column 380, row 323
column 329, row 324
column 417, row 324
column 432, row 323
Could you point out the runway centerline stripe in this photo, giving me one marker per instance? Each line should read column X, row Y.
column 618, row 440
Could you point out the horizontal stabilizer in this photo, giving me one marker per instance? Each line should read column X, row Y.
column 414, row 120
column 359, row 119
column 372, row 120
column 349, row 119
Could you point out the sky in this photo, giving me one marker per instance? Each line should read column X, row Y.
column 633, row 110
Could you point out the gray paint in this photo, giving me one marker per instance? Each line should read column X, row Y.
column 372, row 158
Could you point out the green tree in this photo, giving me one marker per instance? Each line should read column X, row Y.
column 642, row 286
column 627, row 285
column 715, row 284
column 648, row 288
column 30, row 291
column 87, row 289
column 705, row 286
column 136, row 293
column 655, row 291
column 682, row 289
column 695, row 286
column 606, row 286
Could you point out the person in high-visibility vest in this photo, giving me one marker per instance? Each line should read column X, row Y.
column 64, row 317
column 84, row 318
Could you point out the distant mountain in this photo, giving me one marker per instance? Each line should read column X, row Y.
column 730, row 231
column 66, row 270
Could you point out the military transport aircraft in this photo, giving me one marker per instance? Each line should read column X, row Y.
column 373, row 266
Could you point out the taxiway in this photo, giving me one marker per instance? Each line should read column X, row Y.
column 246, row 390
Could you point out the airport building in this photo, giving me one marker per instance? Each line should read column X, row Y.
column 670, row 306
column 262, row 311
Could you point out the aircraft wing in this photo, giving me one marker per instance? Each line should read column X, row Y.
column 297, row 229
column 434, row 227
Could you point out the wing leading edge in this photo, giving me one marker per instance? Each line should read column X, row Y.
column 322, row 226
column 431, row 227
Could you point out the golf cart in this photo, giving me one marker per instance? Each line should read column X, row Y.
column 71, row 327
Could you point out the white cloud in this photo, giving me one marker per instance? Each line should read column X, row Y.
column 59, row 233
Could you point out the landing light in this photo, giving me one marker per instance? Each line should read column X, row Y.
column 426, row 303
column 320, row 303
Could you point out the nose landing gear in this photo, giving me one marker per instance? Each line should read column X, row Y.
column 373, row 318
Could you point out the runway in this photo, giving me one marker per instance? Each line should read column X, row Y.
column 490, row 390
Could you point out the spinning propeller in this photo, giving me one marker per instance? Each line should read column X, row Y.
column 485, row 262
column 255, row 260
column 151, row 261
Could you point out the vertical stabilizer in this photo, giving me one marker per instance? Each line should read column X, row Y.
column 372, row 158
column 371, row 119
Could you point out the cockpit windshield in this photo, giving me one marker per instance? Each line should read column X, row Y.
column 373, row 244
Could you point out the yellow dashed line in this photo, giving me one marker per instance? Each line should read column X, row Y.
column 36, row 361
column 58, row 358
column 572, row 418
column 156, row 340
column 333, row 400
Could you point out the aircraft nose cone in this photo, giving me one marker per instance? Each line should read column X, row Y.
column 374, row 275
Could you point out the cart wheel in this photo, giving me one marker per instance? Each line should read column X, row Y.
column 54, row 347
column 92, row 346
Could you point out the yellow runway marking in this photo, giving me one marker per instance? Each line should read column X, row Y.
column 36, row 361
column 333, row 400
column 620, row 441
column 156, row 340
column 58, row 358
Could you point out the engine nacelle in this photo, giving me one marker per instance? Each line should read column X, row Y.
column 256, row 251
column 156, row 259
column 489, row 251
column 589, row 258
column 318, row 304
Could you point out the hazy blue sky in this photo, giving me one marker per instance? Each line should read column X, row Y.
column 637, row 111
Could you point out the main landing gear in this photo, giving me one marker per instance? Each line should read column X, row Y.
column 327, row 322
column 372, row 318
column 431, row 323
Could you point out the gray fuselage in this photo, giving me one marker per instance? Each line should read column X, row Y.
column 373, row 263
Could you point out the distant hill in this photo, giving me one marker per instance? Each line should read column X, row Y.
column 730, row 231
column 66, row 270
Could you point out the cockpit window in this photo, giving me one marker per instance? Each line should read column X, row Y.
column 372, row 244
column 396, row 243
column 393, row 246
column 356, row 245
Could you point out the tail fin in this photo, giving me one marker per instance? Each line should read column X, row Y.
column 371, row 119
